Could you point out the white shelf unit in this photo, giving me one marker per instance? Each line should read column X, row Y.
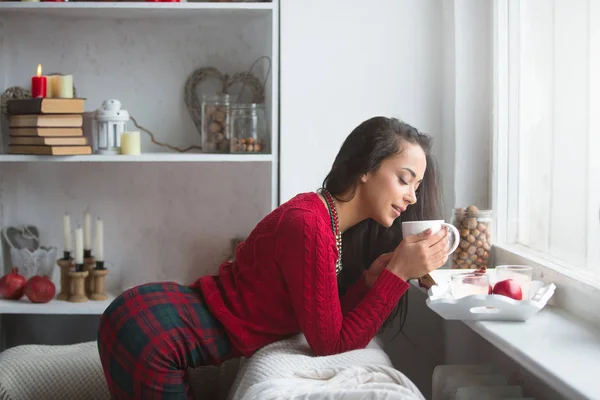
column 58, row 307
column 167, row 215
column 147, row 157
column 138, row 9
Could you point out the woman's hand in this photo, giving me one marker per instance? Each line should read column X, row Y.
column 419, row 254
column 375, row 269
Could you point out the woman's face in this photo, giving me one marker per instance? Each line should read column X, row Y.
column 388, row 191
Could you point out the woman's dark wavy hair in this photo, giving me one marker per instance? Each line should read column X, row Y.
column 362, row 152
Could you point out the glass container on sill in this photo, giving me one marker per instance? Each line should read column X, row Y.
column 475, row 227
column 249, row 128
column 215, row 123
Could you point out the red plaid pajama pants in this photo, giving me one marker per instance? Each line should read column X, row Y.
column 151, row 334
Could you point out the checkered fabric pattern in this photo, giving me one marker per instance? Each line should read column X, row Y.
column 150, row 335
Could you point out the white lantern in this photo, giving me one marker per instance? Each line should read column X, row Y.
column 110, row 122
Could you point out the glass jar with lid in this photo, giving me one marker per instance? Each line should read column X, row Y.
column 215, row 124
column 475, row 227
column 249, row 128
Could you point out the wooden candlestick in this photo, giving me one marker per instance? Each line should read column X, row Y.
column 98, row 276
column 78, row 280
column 65, row 280
column 89, row 263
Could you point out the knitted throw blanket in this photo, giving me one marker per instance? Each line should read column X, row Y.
column 52, row 372
column 288, row 370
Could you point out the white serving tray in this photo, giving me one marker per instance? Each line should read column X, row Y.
column 490, row 307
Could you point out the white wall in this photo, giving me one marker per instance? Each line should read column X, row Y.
column 423, row 61
column 343, row 64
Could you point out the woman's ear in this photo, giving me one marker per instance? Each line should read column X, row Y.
column 363, row 178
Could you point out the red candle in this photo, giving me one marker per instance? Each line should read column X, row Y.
column 38, row 84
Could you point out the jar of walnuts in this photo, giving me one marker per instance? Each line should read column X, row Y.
column 215, row 113
column 475, row 228
column 249, row 128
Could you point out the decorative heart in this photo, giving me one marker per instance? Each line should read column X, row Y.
column 21, row 237
column 225, row 86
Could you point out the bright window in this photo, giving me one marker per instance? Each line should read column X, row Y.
column 547, row 123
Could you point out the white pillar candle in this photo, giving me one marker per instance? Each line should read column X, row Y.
column 78, row 246
column 67, row 231
column 130, row 143
column 99, row 238
column 50, row 85
column 87, row 230
column 63, row 86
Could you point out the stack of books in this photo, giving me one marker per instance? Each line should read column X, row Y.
column 47, row 126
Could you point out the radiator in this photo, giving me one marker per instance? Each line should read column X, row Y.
column 473, row 382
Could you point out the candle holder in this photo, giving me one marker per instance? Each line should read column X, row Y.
column 65, row 265
column 98, row 274
column 110, row 121
column 78, row 278
column 89, row 263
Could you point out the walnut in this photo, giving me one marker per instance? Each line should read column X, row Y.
column 472, row 210
column 471, row 223
column 214, row 127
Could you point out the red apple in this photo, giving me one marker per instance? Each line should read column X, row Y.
column 508, row 288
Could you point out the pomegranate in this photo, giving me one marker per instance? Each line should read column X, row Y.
column 12, row 286
column 40, row 289
column 509, row 288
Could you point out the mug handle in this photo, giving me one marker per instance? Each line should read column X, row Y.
column 456, row 237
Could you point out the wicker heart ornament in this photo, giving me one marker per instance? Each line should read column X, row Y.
column 226, row 85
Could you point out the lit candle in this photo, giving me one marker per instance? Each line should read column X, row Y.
column 67, row 231
column 99, row 246
column 78, row 245
column 38, row 84
column 87, row 230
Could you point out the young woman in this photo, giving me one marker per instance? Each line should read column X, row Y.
column 332, row 265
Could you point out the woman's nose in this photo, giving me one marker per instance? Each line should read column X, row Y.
column 411, row 197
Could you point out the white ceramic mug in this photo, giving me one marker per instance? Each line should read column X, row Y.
column 410, row 228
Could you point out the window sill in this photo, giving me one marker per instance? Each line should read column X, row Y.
column 555, row 345
column 560, row 349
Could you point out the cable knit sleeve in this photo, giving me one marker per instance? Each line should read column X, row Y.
column 354, row 295
column 306, row 255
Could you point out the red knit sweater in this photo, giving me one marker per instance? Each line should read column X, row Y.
column 283, row 282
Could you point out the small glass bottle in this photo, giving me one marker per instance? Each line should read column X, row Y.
column 249, row 128
column 215, row 113
column 475, row 227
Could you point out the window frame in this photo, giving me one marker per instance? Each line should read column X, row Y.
column 578, row 289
